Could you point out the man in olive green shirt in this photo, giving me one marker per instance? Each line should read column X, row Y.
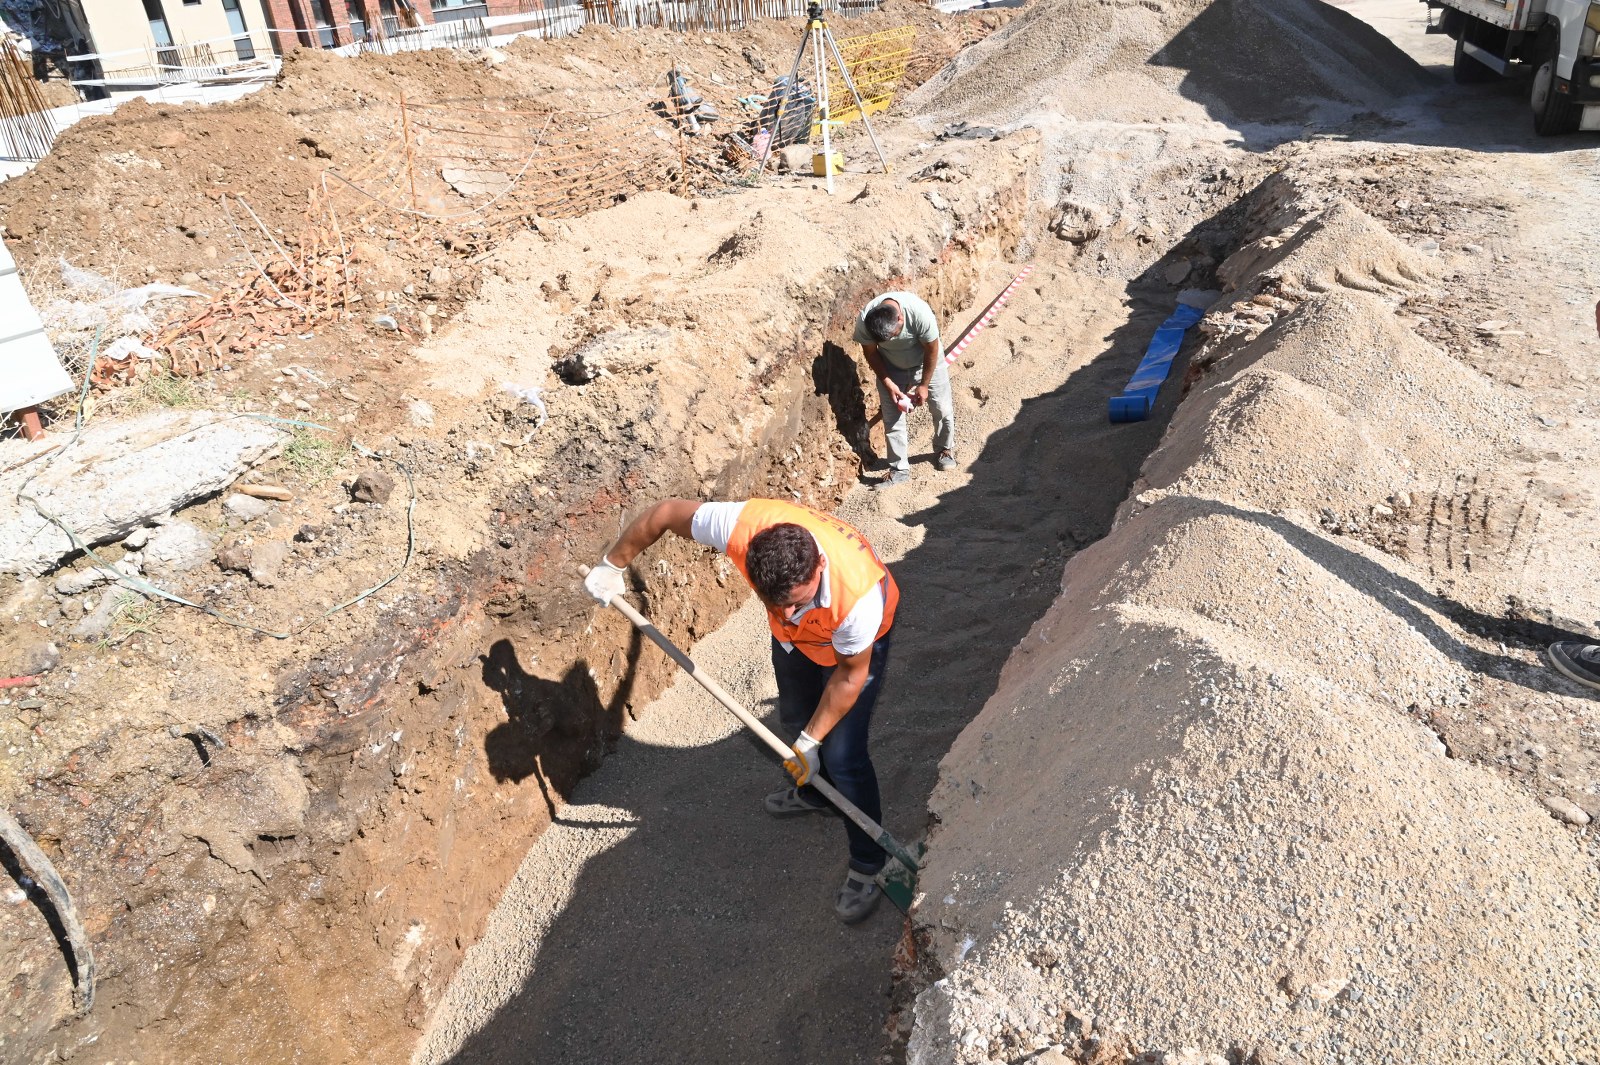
column 899, row 336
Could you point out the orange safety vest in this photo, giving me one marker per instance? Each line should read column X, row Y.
column 853, row 571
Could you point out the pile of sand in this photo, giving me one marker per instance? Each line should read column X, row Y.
column 1312, row 396
column 1336, row 405
column 1142, row 105
column 1199, row 817
column 1235, row 61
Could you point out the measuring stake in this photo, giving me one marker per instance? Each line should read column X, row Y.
column 986, row 317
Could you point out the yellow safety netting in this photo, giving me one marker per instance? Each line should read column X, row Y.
column 877, row 62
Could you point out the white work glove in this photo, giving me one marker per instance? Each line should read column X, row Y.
column 605, row 581
column 806, row 760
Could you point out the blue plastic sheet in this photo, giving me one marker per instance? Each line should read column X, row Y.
column 1137, row 400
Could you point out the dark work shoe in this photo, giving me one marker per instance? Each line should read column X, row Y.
column 945, row 461
column 895, row 477
column 857, row 898
column 788, row 803
column 1577, row 661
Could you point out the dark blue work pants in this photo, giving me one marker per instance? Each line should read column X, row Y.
column 845, row 761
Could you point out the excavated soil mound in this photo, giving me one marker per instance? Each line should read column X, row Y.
column 1240, row 61
column 1276, row 859
column 138, row 190
column 1235, row 839
column 1337, row 405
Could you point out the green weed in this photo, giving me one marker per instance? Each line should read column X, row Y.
column 165, row 390
column 133, row 614
column 313, row 454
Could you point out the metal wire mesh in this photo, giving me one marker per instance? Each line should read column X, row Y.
column 485, row 166
column 463, row 33
column 466, row 173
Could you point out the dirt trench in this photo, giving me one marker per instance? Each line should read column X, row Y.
column 305, row 887
column 664, row 916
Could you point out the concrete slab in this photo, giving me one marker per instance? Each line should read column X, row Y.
column 117, row 477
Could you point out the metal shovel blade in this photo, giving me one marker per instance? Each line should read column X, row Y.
column 899, row 881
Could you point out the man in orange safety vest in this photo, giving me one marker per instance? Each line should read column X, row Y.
column 830, row 605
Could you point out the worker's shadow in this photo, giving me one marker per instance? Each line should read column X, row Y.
column 556, row 731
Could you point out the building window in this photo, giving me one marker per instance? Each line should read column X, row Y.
column 242, row 47
column 168, row 61
column 358, row 19
column 453, row 10
column 324, row 21
column 158, row 23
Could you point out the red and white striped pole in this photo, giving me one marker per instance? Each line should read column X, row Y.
column 989, row 313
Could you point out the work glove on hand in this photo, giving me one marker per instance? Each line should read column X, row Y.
column 604, row 581
column 806, row 760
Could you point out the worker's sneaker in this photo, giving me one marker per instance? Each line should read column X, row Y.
column 945, row 461
column 857, row 898
column 789, row 803
column 895, row 477
column 1577, row 661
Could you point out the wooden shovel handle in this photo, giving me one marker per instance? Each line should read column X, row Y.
column 783, row 750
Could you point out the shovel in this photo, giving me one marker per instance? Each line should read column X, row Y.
column 899, row 877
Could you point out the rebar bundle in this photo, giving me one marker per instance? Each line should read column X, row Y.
column 26, row 127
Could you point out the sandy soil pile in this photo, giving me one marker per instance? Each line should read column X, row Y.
column 1240, row 61
column 1320, row 399
column 1234, row 839
column 1143, row 106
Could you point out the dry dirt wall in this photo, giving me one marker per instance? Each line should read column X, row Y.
column 306, row 885
column 1203, row 819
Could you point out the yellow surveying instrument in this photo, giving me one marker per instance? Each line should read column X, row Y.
column 820, row 40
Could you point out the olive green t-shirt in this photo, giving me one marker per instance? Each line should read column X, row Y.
column 904, row 351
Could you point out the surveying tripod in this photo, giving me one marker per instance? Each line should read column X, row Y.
column 820, row 39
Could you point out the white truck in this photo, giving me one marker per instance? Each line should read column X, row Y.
column 1556, row 38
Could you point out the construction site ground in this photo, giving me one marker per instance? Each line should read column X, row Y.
column 1229, row 731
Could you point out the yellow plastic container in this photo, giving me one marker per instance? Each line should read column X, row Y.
column 820, row 164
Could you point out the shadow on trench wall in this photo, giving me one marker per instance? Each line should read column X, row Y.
column 838, row 378
column 707, row 934
column 555, row 731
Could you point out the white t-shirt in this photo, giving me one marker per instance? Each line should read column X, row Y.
column 713, row 524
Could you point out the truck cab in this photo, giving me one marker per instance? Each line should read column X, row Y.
column 1555, row 39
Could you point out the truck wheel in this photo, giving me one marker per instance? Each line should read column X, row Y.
column 1467, row 70
column 1554, row 113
